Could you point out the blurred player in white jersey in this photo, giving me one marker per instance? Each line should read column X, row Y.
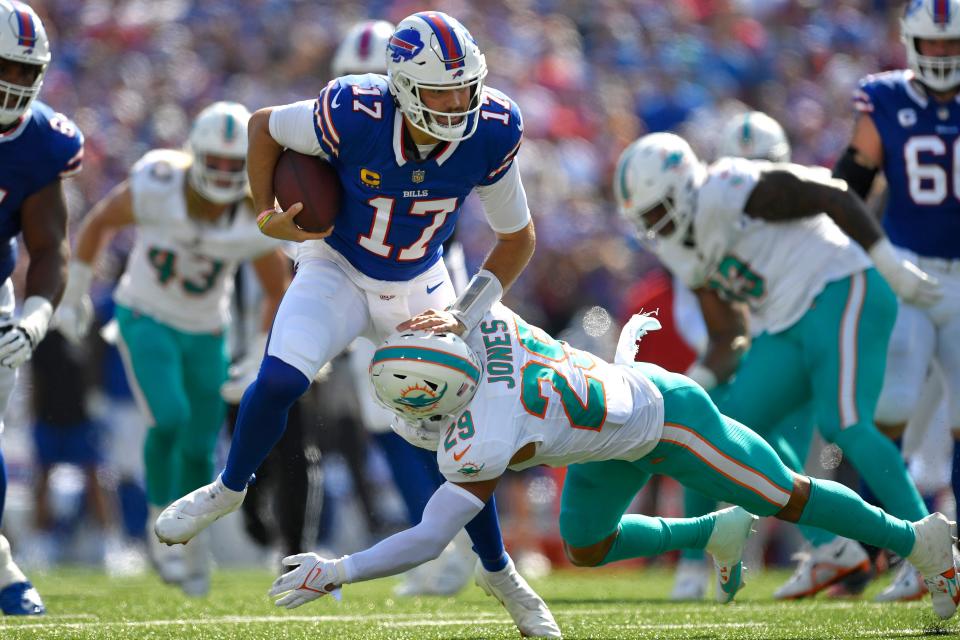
column 38, row 149
column 195, row 224
column 757, row 136
column 908, row 126
column 513, row 397
column 749, row 232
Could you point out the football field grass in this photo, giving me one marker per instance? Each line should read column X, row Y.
column 587, row 604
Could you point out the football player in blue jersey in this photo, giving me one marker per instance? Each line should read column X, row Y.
column 908, row 126
column 38, row 149
column 408, row 148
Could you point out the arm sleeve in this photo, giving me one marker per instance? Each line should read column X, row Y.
column 292, row 126
column 505, row 202
column 448, row 510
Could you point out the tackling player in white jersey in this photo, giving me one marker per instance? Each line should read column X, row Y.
column 195, row 224
column 512, row 397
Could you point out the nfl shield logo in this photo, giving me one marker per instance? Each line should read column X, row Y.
column 418, row 176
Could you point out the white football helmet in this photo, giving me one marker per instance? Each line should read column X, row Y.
column 932, row 20
column 659, row 168
column 422, row 376
column 22, row 39
column 431, row 50
column 364, row 49
column 756, row 136
column 220, row 130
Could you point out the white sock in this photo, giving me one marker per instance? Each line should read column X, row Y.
column 9, row 571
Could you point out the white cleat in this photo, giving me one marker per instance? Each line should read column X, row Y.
column 196, row 511
column 726, row 543
column 690, row 581
column 528, row 610
column 907, row 586
column 823, row 566
column 933, row 557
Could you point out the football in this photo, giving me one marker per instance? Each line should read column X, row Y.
column 312, row 181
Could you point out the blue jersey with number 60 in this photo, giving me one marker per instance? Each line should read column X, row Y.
column 921, row 161
column 397, row 209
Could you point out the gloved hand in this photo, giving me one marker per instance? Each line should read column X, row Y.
column 74, row 315
column 423, row 434
column 637, row 327
column 314, row 578
column 244, row 372
column 19, row 340
column 912, row 284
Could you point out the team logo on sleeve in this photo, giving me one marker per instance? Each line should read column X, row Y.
column 471, row 468
column 405, row 45
column 421, row 398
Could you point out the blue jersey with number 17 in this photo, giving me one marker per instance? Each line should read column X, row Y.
column 921, row 161
column 398, row 209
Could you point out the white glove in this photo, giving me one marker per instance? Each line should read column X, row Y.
column 638, row 326
column 420, row 433
column 19, row 340
column 74, row 315
column 314, row 578
column 912, row 284
column 243, row 373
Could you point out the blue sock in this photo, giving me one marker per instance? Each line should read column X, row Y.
column 262, row 419
column 955, row 474
column 133, row 508
column 484, row 532
column 414, row 472
column 3, row 485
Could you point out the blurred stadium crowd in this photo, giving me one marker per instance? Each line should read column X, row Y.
column 589, row 76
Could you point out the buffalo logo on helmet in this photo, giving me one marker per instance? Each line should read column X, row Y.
column 405, row 45
column 422, row 399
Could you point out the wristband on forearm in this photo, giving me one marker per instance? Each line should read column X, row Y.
column 483, row 291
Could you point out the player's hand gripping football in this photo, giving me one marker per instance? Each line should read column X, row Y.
column 315, row 577
column 280, row 224
column 433, row 320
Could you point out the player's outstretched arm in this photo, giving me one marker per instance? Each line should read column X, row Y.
column 788, row 192
column 114, row 211
column 450, row 508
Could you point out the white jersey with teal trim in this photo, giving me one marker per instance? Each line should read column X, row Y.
column 573, row 405
column 777, row 268
column 180, row 271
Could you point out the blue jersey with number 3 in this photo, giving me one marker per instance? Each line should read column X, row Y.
column 398, row 209
column 921, row 161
